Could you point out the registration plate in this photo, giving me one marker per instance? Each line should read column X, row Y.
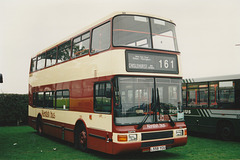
column 157, row 148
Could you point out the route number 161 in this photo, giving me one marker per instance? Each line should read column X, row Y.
column 166, row 63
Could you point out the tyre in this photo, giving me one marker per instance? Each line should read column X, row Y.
column 226, row 131
column 80, row 137
column 39, row 126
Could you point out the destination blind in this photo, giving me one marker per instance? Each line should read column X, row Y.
column 137, row 61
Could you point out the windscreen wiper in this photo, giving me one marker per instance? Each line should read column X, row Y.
column 158, row 104
column 143, row 121
column 171, row 121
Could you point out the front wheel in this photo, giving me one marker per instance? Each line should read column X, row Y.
column 226, row 131
column 39, row 126
column 80, row 137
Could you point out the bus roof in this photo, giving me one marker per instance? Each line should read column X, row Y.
column 215, row 78
column 87, row 28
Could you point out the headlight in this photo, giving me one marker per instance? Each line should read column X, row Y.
column 179, row 132
column 132, row 137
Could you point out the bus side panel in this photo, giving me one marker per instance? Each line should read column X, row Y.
column 56, row 129
column 235, row 124
column 51, row 129
column 237, row 127
column 81, row 104
column 100, row 140
column 31, row 117
column 197, row 122
column 30, row 95
column 96, row 140
column 205, row 121
column 68, row 133
column 59, row 130
column 82, row 95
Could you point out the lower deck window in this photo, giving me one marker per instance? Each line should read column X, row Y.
column 49, row 99
column 211, row 94
column 62, row 99
column 52, row 99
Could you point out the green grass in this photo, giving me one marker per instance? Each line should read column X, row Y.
column 23, row 143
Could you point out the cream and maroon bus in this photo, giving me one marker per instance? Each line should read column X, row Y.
column 113, row 87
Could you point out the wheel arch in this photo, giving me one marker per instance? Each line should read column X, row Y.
column 39, row 116
column 80, row 125
column 39, row 124
column 79, row 122
column 223, row 123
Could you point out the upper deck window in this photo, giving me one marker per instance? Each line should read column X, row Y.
column 41, row 61
column 81, row 45
column 101, row 38
column 135, row 31
column 64, row 52
column 33, row 64
column 51, row 57
column 163, row 35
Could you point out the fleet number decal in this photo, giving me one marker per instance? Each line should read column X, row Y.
column 48, row 114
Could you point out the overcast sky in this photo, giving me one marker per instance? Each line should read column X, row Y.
column 207, row 32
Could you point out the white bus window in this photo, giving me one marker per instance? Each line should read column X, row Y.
column 41, row 61
column 51, row 57
column 81, row 45
column 131, row 31
column 192, row 99
column 213, row 97
column 226, row 92
column 203, row 97
column 40, row 99
column 163, row 35
column 33, row 64
column 62, row 99
column 64, row 52
column 49, row 99
column 101, row 38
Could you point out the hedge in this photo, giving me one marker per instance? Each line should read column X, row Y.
column 13, row 109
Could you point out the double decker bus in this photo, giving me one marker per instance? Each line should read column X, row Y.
column 113, row 87
column 212, row 105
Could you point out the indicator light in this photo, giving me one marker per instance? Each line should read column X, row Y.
column 122, row 138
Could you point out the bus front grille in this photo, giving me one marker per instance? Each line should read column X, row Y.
column 157, row 135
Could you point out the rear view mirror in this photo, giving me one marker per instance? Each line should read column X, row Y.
column 1, row 78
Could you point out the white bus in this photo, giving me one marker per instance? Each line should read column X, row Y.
column 212, row 105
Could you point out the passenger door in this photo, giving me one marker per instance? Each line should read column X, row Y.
column 100, row 133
